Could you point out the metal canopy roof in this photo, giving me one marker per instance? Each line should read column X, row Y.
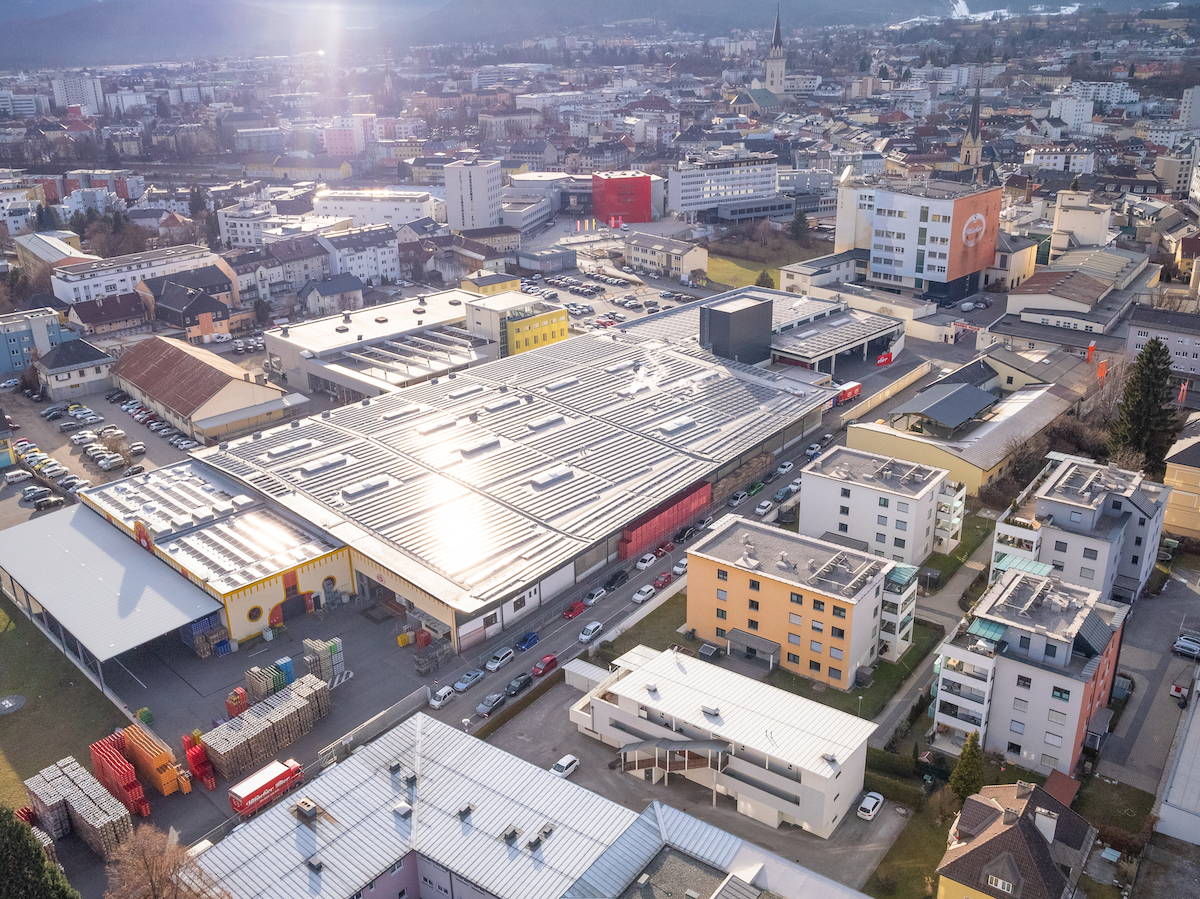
column 950, row 405
column 988, row 630
column 80, row 569
column 679, row 745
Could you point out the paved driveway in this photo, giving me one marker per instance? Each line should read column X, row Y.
column 1136, row 752
column 542, row 734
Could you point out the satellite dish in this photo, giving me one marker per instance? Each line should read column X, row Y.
column 846, row 172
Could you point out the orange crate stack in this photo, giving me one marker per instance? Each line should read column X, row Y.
column 153, row 760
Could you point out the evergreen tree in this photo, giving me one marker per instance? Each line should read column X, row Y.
column 197, row 201
column 25, row 872
column 764, row 279
column 883, row 72
column 798, row 230
column 968, row 773
column 1146, row 420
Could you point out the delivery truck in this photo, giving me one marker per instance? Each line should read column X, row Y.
column 264, row 786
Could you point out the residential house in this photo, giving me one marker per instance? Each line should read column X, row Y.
column 368, row 253
column 676, row 259
column 341, row 293
column 200, row 315
column 105, row 315
column 74, row 368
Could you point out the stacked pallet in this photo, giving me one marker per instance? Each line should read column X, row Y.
column 267, row 727
column 207, row 642
column 154, row 761
column 191, row 634
column 90, row 810
column 114, row 771
column 324, row 658
column 286, row 669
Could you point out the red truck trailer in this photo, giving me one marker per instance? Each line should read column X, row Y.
column 849, row 390
column 264, row 786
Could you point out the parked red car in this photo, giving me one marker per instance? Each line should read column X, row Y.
column 574, row 610
column 663, row 548
column 663, row 580
column 545, row 665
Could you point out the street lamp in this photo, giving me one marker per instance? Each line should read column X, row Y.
column 860, row 707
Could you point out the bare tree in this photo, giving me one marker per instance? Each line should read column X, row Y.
column 152, row 865
column 1107, row 396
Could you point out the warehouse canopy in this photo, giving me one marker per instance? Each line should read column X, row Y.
column 97, row 583
column 949, row 405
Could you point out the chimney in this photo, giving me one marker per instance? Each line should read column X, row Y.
column 1047, row 823
column 1010, row 817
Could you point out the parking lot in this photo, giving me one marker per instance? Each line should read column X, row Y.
column 542, row 734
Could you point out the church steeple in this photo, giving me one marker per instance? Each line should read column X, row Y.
column 970, row 149
column 777, row 51
column 973, row 124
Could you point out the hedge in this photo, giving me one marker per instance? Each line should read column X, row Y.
column 893, row 788
column 890, row 762
column 512, row 709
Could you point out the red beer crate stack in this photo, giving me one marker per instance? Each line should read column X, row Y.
column 114, row 771
column 235, row 702
column 200, row 766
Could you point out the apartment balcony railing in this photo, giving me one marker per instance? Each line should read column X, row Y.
column 890, row 608
column 959, row 667
column 954, row 688
column 950, row 710
column 1011, row 541
column 678, row 761
column 888, row 627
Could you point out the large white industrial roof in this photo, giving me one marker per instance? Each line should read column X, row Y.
column 81, row 570
column 779, row 724
column 528, row 461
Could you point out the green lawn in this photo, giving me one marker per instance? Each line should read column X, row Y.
column 1096, row 890
column 735, row 271
column 658, row 630
column 1116, row 804
column 911, row 861
column 975, row 530
column 889, row 676
column 63, row 711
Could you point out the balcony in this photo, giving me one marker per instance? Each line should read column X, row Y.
column 959, row 691
column 959, row 667
column 950, row 710
column 890, row 608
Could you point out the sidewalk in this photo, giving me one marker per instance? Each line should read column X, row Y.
column 940, row 608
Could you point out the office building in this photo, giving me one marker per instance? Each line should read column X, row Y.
column 893, row 508
column 809, row 606
column 784, row 759
column 704, row 182
column 122, row 274
column 1180, row 331
column 1033, row 673
column 26, row 333
column 473, row 194
column 379, row 207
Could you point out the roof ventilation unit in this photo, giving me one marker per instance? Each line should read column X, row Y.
column 465, row 812
column 295, row 424
column 402, row 809
column 691, row 894
column 223, row 446
column 830, row 757
column 315, row 864
column 643, row 880
column 346, row 317
column 651, row 688
column 535, row 843
column 395, row 766
column 307, row 808
column 711, row 711
column 510, row 835
column 411, row 780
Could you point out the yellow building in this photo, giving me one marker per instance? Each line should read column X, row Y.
column 517, row 321
column 1183, row 477
column 1014, row 840
column 808, row 606
column 486, row 283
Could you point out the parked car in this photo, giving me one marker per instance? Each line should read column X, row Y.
column 795, row 485
column 441, row 697
column 134, row 469
column 545, row 665
column 643, row 594
column 785, row 467
column 756, row 488
column 870, row 806
column 680, row 566
column 500, row 658
column 813, row 450
column 685, row 534
column 1185, row 647
column 782, row 494
column 565, row 766
column 468, row 680
column 664, row 548
column 79, row 485
column 490, row 703
column 763, row 508
column 594, row 596
column 137, row 449
column 646, row 561
column 527, row 642
column 574, row 610
column 9, row 384
column 31, row 494
column 663, row 580
column 590, row 631
column 47, row 502
column 738, row 498
column 616, row 579
column 518, row 683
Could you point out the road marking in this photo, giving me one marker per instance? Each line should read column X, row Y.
column 339, row 679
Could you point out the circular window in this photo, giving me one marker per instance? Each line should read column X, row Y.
column 255, row 613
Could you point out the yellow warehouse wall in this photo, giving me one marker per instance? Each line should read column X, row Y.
column 536, row 331
column 248, row 609
column 1183, row 505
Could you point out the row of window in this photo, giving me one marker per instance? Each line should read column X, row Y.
column 1050, row 761
column 1060, row 693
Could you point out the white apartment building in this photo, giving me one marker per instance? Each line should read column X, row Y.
column 1108, row 92
column 371, row 254
column 252, row 223
column 121, row 274
column 705, row 181
column 81, row 89
column 1032, row 672
column 473, row 194
column 1189, row 109
column 23, row 106
column 1095, row 525
column 892, row 508
column 379, row 207
column 1062, row 159
column 783, row 758
column 1075, row 111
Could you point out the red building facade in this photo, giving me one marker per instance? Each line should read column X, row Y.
column 621, row 196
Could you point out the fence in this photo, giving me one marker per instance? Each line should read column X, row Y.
column 372, row 728
column 864, row 406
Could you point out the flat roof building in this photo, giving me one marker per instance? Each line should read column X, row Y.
column 121, row 274
column 784, row 759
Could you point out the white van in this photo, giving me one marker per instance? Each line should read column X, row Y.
column 441, row 697
column 20, row 474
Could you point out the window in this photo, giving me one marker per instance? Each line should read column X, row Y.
column 818, row 605
column 1051, row 651
column 1141, row 522
column 1014, row 749
column 796, row 639
column 1057, row 717
column 754, row 584
column 396, row 867
column 1050, row 761
column 1060, row 693
column 818, row 626
column 1017, row 727
column 1117, row 504
column 402, row 894
column 1090, row 554
column 1137, row 541
column 722, row 575
column 843, row 528
column 883, row 502
column 722, row 595
column 1060, row 546
column 845, row 492
column 834, row 673
column 837, row 633
column 798, row 599
column 1053, row 739
column 1077, row 516
column 814, row 646
column 898, row 542
column 1024, row 682
column 1056, row 564
column 814, row 666
column 1020, row 705
column 901, row 525
column 752, row 624
column 722, row 614
column 720, row 632
column 843, row 510
column 901, row 507
column 793, row 658
column 1002, row 885
column 881, row 520
column 1024, row 642
column 1088, row 573
column 754, row 605
column 880, row 538
column 1134, row 560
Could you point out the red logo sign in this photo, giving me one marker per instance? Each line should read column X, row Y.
column 973, row 230
column 884, row 359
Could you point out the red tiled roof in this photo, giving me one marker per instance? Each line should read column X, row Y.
column 176, row 374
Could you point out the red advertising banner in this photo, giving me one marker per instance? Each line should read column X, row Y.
column 973, row 230
column 884, row 359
